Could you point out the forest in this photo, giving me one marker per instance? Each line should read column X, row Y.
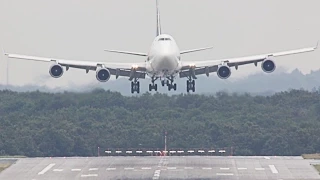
column 37, row 124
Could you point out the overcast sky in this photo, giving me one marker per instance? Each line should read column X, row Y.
column 81, row 29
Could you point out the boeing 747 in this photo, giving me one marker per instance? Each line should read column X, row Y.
column 163, row 62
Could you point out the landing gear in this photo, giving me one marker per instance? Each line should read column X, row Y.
column 162, row 83
column 191, row 85
column 153, row 86
column 171, row 85
column 135, row 86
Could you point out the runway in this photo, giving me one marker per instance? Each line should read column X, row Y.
column 165, row 167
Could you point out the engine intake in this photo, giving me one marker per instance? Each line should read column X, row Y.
column 56, row 70
column 103, row 75
column 224, row 72
column 268, row 66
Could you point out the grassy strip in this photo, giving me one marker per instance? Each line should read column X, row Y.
column 317, row 167
column 4, row 166
column 311, row 156
column 12, row 157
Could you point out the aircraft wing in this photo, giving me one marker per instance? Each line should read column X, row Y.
column 117, row 69
column 205, row 67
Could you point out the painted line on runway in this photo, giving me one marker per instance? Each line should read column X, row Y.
column 111, row 169
column 46, row 169
column 89, row 175
column 224, row 168
column 93, row 169
column 273, row 169
column 242, row 168
column 146, row 168
column 266, row 157
column 156, row 174
column 206, row 168
column 170, row 168
column 58, row 170
column 128, row 168
column 188, row 168
column 259, row 169
column 224, row 174
column 75, row 169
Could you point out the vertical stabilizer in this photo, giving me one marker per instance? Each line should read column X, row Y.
column 158, row 19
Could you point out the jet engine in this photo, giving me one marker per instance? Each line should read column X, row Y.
column 56, row 70
column 103, row 75
column 268, row 66
column 224, row 72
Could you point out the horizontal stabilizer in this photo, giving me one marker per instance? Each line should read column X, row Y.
column 195, row 50
column 127, row 52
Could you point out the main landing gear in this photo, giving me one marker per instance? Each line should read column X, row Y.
column 191, row 85
column 170, row 84
column 135, row 86
column 153, row 86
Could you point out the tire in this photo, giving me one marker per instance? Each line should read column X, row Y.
column 162, row 83
column 175, row 87
column 150, row 87
column 156, row 87
column 188, row 86
column 132, row 91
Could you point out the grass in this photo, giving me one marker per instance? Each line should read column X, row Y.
column 311, row 156
column 317, row 167
column 4, row 166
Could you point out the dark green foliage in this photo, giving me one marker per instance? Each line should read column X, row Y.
column 75, row 124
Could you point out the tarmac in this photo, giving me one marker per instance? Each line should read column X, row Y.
column 164, row 167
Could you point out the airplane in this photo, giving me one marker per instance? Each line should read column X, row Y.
column 163, row 62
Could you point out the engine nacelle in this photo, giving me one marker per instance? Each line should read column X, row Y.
column 224, row 72
column 268, row 66
column 56, row 70
column 103, row 75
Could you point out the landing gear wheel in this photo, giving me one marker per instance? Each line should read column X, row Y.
column 135, row 87
column 175, row 86
column 162, row 83
column 191, row 85
column 153, row 87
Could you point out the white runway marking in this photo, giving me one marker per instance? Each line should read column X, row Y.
column 46, row 169
column 89, row 175
column 111, row 169
column 129, row 168
column 145, row 168
column 171, row 168
column 273, row 169
column 188, row 167
column 224, row 168
column 267, row 157
column 58, row 170
column 156, row 174
column 93, row 169
column 75, row 169
column 224, row 174
column 206, row 168
column 259, row 169
column 242, row 168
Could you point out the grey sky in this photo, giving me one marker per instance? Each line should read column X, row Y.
column 81, row 29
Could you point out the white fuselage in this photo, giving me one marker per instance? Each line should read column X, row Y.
column 163, row 58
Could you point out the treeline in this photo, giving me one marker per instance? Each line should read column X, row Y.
column 75, row 124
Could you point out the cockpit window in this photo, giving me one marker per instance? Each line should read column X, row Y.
column 164, row 39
